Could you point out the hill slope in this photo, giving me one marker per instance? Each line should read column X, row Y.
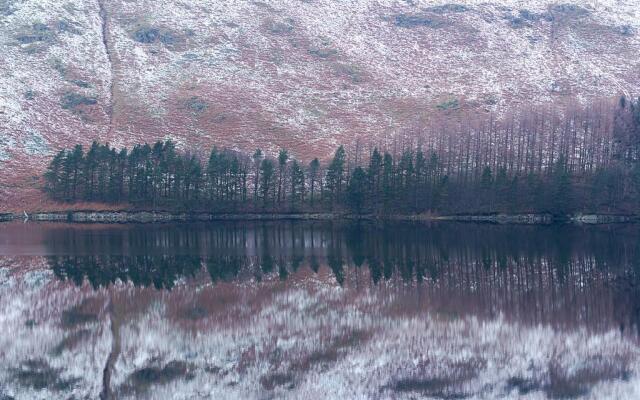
column 302, row 74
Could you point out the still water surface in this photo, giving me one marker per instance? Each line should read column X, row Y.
column 319, row 311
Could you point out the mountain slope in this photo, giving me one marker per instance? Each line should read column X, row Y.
column 301, row 74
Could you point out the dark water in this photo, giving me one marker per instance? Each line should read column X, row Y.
column 319, row 310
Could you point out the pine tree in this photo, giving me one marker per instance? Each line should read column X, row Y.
column 257, row 159
column 314, row 168
column 560, row 189
column 501, row 190
column 486, row 183
column 76, row 160
column 283, row 157
column 387, row 181
column 266, row 172
column 213, row 176
column 192, row 180
column 297, row 184
column 405, row 178
column 52, row 177
column 419, row 195
column 335, row 176
column 374, row 175
column 122, row 164
column 356, row 190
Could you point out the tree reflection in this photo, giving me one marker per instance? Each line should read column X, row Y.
column 161, row 272
column 526, row 271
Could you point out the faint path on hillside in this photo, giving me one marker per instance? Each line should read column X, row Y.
column 104, row 18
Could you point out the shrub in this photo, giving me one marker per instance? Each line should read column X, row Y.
column 148, row 35
column 418, row 20
column 72, row 100
column 448, row 8
column 449, row 105
column 38, row 33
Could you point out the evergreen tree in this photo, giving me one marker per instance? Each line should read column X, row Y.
column 297, row 184
column 374, row 172
column 283, row 157
column 486, row 186
column 419, row 192
column 257, row 159
column 405, row 178
column 214, row 178
column 335, row 176
column 266, row 172
column 90, row 168
column 502, row 188
column 560, row 189
column 75, row 164
column 314, row 168
column 356, row 190
column 387, row 181
column 53, row 176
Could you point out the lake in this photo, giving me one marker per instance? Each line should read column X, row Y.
column 322, row 310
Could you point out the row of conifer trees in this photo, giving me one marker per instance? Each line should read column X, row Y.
column 590, row 172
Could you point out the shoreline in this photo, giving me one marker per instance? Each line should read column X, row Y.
column 124, row 216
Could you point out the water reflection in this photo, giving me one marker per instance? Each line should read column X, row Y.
column 556, row 274
column 160, row 272
column 319, row 310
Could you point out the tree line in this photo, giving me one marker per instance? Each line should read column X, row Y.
column 580, row 160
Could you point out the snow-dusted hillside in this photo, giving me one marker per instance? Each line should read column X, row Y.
column 303, row 74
